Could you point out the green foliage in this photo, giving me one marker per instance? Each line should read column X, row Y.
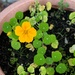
column 37, row 43
column 20, row 69
column 13, row 60
column 50, row 71
column 49, row 60
column 72, row 17
column 39, row 34
column 6, row 27
column 48, row 6
column 42, row 70
column 15, row 44
column 62, row 5
column 19, row 15
column 30, row 69
column 43, row 26
column 41, row 50
column 13, row 21
column 56, row 56
column 55, row 44
column 39, row 59
column 47, row 40
column 72, row 49
column 61, row 68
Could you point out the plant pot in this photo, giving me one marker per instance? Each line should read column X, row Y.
column 23, row 5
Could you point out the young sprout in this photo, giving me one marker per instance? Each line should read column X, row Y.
column 72, row 49
column 41, row 7
column 30, row 69
column 48, row 6
column 70, row 62
column 50, row 71
column 42, row 70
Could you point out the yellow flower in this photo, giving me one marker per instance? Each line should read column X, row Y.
column 25, row 32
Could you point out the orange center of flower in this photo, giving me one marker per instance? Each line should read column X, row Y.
column 25, row 32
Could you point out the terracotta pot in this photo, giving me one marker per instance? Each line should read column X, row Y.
column 22, row 5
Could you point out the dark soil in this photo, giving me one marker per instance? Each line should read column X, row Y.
column 59, row 30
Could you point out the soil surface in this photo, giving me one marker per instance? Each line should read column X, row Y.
column 60, row 29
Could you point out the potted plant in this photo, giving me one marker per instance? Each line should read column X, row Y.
column 40, row 40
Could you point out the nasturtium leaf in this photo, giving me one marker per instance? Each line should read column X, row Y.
column 32, row 21
column 41, row 7
column 47, row 40
column 44, row 18
column 39, row 34
column 41, row 50
column 70, row 62
column 73, row 61
column 24, row 73
column 39, row 59
column 52, row 38
column 50, row 71
column 72, row 16
column 48, row 6
column 20, row 69
column 15, row 44
column 19, row 15
column 56, row 56
column 61, row 68
column 42, row 70
column 44, row 13
column 55, row 44
column 6, row 27
column 37, row 43
column 49, row 60
column 30, row 69
column 13, row 21
column 44, row 26
column 72, row 49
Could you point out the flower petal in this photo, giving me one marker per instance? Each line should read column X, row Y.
column 29, row 39
column 32, row 32
column 22, row 38
column 26, row 25
column 18, row 31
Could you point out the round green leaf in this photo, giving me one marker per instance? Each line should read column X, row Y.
column 61, row 68
column 15, row 45
column 42, row 70
column 6, row 27
column 72, row 16
column 20, row 69
column 13, row 21
column 50, row 71
column 43, row 26
column 47, row 40
column 52, row 38
column 49, row 60
column 39, row 59
column 19, row 15
column 39, row 34
column 30, row 69
column 37, row 43
column 56, row 56
column 41, row 50
column 55, row 44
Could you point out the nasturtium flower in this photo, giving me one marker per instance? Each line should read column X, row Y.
column 25, row 32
